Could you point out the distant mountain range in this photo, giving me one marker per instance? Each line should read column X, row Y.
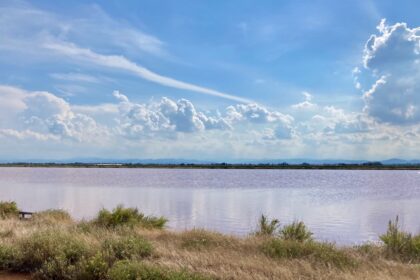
column 393, row 161
column 400, row 161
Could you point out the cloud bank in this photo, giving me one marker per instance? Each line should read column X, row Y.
column 385, row 125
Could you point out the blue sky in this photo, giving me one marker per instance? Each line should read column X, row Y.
column 214, row 80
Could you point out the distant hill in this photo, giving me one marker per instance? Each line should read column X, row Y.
column 309, row 161
column 400, row 161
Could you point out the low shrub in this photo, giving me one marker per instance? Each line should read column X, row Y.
column 126, row 247
column 318, row 252
column 124, row 270
column 44, row 246
column 400, row 244
column 267, row 227
column 296, row 231
column 121, row 216
column 199, row 239
column 127, row 270
column 85, row 226
column 8, row 255
column 369, row 251
column 8, row 209
column 56, row 268
column 112, row 250
column 153, row 222
column 53, row 215
column 94, row 268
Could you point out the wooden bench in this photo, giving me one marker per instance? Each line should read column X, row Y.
column 25, row 215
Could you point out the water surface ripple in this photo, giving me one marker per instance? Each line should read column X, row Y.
column 344, row 206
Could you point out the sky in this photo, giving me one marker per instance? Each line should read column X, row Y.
column 210, row 80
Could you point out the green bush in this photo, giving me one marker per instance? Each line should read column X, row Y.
column 267, row 227
column 296, row 231
column 318, row 252
column 126, row 270
column 45, row 246
column 112, row 250
column 93, row 268
column 56, row 268
column 126, row 247
column 8, row 255
column 8, row 209
column 121, row 216
column 400, row 244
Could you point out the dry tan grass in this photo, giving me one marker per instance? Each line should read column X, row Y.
column 234, row 258
column 222, row 256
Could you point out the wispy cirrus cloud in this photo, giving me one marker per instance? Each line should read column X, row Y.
column 74, row 77
column 22, row 25
column 84, row 39
column 122, row 63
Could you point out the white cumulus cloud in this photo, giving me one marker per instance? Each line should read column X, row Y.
column 255, row 113
column 49, row 114
column 165, row 116
column 306, row 104
column 393, row 57
column 280, row 125
column 44, row 116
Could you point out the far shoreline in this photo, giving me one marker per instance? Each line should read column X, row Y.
column 281, row 166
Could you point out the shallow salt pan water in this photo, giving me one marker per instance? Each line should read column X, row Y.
column 344, row 206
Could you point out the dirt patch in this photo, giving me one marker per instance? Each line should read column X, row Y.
column 14, row 276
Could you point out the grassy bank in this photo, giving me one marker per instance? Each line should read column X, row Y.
column 125, row 244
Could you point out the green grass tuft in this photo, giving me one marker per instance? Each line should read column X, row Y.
column 400, row 244
column 267, row 227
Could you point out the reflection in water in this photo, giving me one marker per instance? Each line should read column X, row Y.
column 341, row 206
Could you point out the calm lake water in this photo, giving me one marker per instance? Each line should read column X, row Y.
column 344, row 206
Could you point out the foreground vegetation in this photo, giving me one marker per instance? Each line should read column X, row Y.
column 125, row 244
